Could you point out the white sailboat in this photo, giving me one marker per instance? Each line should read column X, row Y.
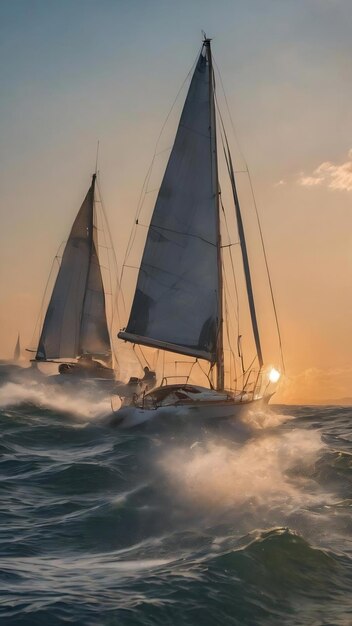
column 12, row 365
column 17, row 350
column 178, row 304
column 75, row 330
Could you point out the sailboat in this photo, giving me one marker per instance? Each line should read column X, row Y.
column 75, row 324
column 17, row 350
column 178, row 304
column 13, row 364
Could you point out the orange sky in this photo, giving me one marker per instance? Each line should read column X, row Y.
column 112, row 72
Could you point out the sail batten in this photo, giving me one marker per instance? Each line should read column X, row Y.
column 75, row 321
column 176, row 302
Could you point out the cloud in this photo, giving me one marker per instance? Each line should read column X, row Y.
column 280, row 183
column 330, row 175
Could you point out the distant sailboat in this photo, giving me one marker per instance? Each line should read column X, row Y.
column 75, row 325
column 178, row 302
column 17, row 351
column 9, row 367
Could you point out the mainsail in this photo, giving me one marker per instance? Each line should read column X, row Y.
column 75, row 321
column 177, row 303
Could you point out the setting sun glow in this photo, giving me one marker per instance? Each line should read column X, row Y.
column 274, row 375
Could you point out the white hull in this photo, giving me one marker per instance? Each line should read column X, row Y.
column 90, row 385
column 131, row 416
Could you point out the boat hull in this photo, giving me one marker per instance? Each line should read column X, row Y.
column 75, row 370
column 82, row 384
column 211, row 412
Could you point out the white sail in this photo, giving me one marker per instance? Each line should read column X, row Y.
column 176, row 303
column 75, row 320
column 94, row 334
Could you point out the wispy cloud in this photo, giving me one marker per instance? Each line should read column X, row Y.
column 331, row 175
column 280, row 183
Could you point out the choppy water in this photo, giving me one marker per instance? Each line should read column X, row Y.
column 248, row 524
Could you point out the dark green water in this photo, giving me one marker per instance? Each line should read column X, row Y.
column 246, row 525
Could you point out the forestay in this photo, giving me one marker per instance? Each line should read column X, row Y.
column 176, row 303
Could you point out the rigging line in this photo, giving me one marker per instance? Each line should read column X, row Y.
column 211, row 374
column 137, row 357
column 236, row 288
column 229, row 320
column 144, row 357
column 231, row 350
column 257, row 214
column 230, row 116
column 228, row 295
column 232, row 265
column 139, row 209
column 191, row 368
column 228, row 330
column 39, row 321
column 248, row 372
column 229, row 291
column 227, row 325
column 268, row 272
column 244, row 251
column 116, row 292
column 107, row 226
column 206, row 374
column 114, row 307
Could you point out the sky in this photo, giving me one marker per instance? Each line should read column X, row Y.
column 77, row 71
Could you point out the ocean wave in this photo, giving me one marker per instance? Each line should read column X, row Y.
column 243, row 524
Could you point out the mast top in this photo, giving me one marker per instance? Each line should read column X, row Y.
column 206, row 40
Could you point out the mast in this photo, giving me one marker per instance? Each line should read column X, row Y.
column 220, row 375
column 93, row 330
column 245, row 259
